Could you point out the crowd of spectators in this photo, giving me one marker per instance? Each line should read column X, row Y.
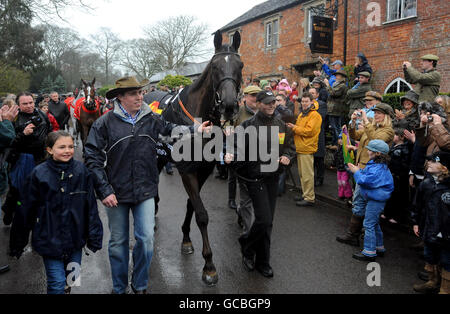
column 327, row 113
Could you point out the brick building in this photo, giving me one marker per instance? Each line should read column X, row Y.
column 276, row 36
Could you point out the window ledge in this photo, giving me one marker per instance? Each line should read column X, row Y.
column 400, row 20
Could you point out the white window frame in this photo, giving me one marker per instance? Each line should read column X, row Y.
column 231, row 34
column 273, row 36
column 308, row 18
column 397, row 81
column 402, row 15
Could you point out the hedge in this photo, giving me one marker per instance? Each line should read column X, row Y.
column 394, row 99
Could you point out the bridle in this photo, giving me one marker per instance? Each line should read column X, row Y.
column 215, row 111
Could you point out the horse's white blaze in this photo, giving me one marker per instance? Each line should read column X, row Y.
column 227, row 58
column 89, row 94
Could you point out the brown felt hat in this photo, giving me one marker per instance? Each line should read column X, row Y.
column 385, row 108
column 124, row 84
column 373, row 95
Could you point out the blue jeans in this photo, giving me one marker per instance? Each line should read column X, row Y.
column 359, row 203
column 57, row 271
column 282, row 182
column 335, row 123
column 144, row 224
column 373, row 238
column 436, row 254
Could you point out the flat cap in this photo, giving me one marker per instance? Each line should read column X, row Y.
column 430, row 57
column 370, row 95
column 385, row 108
column 252, row 89
column 341, row 72
column 338, row 62
column 365, row 73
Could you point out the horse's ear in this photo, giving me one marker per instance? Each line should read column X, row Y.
column 84, row 82
column 93, row 82
column 218, row 40
column 236, row 41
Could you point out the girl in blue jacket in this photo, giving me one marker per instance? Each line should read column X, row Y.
column 59, row 206
column 376, row 184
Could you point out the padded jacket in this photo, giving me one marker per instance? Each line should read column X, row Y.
column 59, row 206
column 123, row 155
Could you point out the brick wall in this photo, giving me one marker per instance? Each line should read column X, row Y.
column 386, row 46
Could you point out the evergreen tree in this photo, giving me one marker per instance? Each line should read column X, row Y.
column 59, row 84
column 47, row 85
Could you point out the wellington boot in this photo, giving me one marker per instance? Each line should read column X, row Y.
column 351, row 237
column 433, row 284
column 445, row 282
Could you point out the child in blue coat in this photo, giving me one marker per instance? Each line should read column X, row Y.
column 376, row 185
column 60, row 208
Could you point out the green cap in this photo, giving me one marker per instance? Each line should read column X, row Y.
column 385, row 108
column 430, row 57
column 365, row 73
column 252, row 89
column 341, row 72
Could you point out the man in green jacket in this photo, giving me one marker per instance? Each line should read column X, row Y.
column 428, row 82
column 337, row 109
column 355, row 96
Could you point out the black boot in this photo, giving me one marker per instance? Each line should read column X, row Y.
column 351, row 237
column 361, row 257
column 232, row 204
column 4, row 269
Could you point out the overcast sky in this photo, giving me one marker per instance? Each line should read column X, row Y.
column 127, row 17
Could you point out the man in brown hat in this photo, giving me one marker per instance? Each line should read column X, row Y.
column 121, row 153
column 428, row 82
column 355, row 96
column 372, row 99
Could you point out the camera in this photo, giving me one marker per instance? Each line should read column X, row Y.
column 35, row 120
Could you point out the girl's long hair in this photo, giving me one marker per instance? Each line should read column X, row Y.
column 387, row 122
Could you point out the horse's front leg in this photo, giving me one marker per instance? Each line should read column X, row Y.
column 187, row 247
column 192, row 187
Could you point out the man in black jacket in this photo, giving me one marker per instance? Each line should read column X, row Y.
column 59, row 110
column 121, row 152
column 28, row 148
column 261, row 179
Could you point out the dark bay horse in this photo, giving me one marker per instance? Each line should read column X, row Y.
column 213, row 97
column 87, row 110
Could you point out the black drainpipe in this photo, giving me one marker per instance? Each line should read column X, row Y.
column 345, row 30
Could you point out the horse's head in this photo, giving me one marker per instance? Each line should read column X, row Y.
column 226, row 67
column 89, row 93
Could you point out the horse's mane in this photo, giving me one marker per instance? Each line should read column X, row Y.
column 204, row 76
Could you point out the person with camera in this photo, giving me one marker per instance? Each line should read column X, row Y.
column 28, row 149
column 427, row 83
column 355, row 96
column 432, row 132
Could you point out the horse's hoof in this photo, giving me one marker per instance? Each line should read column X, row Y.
column 210, row 278
column 187, row 248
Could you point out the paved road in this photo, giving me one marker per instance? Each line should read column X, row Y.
column 305, row 256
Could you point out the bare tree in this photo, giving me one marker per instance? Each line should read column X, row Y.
column 176, row 41
column 136, row 56
column 107, row 45
column 57, row 42
column 46, row 9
